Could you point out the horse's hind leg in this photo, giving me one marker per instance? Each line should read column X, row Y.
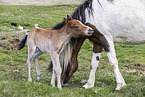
column 31, row 52
column 35, row 59
column 97, row 50
column 113, row 61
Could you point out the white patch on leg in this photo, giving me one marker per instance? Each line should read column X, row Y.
column 94, row 63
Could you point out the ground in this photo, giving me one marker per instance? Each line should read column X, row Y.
column 13, row 67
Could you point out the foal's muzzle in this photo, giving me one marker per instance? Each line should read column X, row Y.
column 90, row 31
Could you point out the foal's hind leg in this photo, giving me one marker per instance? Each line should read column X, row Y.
column 31, row 52
column 53, row 78
column 35, row 59
column 97, row 50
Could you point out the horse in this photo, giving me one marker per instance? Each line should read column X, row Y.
column 121, row 21
column 53, row 42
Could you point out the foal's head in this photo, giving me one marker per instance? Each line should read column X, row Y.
column 77, row 28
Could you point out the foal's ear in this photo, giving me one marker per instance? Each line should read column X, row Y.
column 65, row 20
column 69, row 18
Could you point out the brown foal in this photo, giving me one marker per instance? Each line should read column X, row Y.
column 52, row 42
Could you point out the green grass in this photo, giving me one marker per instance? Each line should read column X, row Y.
column 13, row 67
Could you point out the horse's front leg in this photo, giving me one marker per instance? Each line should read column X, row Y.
column 97, row 50
column 57, row 69
column 113, row 61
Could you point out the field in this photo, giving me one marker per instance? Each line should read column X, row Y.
column 13, row 67
column 39, row 2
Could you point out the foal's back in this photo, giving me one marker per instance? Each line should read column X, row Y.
column 42, row 38
column 41, row 33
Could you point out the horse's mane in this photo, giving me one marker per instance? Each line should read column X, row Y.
column 78, row 14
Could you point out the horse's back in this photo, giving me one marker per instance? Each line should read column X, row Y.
column 123, row 20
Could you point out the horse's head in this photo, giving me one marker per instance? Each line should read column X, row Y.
column 77, row 27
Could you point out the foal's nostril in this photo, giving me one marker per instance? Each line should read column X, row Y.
column 90, row 31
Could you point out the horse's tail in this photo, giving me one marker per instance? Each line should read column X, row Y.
column 64, row 57
column 23, row 41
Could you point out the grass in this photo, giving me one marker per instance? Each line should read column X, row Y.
column 13, row 67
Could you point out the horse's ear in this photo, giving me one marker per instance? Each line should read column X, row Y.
column 69, row 17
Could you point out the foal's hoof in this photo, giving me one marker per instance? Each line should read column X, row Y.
column 37, row 80
column 29, row 79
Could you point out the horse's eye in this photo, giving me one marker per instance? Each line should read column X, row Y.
column 76, row 27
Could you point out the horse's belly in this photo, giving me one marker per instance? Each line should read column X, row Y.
column 129, row 39
column 130, row 31
column 128, row 24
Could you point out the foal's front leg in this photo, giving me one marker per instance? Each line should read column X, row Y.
column 57, row 69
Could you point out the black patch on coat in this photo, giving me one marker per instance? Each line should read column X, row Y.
column 97, row 58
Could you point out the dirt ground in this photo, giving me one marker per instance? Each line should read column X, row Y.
column 39, row 2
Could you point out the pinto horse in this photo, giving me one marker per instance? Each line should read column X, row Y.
column 52, row 42
column 120, row 21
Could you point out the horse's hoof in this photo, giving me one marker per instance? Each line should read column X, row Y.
column 87, row 86
column 65, row 84
column 119, row 86
column 59, row 88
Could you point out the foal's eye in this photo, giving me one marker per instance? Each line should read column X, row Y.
column 76, row 27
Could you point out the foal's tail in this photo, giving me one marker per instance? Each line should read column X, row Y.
column 23, row 41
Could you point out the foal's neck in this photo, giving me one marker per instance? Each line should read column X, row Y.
column 65, row 33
